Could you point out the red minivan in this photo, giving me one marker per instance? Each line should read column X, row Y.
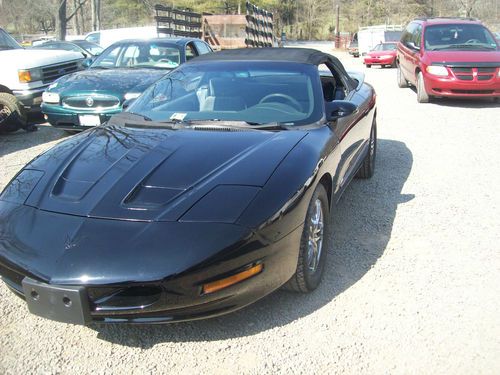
column 449, row 57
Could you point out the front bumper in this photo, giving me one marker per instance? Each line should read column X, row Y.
column 378, row 61
column 153, row 274
column 453, row 87
column 69, row 119
column 30, row 99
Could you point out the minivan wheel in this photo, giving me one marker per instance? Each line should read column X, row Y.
column 402, row 82
column 422, row 96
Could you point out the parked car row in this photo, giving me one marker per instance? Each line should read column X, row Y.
column 217, row 184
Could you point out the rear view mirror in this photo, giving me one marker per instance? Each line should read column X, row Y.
column 338, row 109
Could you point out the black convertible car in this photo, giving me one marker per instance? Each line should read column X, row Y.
column 213, row 190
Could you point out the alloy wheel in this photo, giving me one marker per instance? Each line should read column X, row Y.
column 315, row 241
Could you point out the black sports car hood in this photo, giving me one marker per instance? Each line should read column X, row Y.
column 115, row 81
column 153, row 174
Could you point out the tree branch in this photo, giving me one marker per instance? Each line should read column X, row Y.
column 80, row 4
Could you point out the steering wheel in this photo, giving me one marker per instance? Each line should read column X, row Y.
column 294, row 103
column 473, row 41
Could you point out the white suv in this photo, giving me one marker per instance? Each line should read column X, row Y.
column 25, row 75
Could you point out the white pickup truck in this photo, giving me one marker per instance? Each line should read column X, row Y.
column 24, row 75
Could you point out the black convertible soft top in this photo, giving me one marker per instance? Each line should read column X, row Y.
column 298, row 55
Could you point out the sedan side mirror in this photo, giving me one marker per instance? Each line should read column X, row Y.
column 127, row 103
column 338, row 109
column 87, row 62
column 413, row 46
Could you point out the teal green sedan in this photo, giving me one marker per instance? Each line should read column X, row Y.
column 121, row 73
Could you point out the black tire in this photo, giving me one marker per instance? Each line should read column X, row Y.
column 393, row 65
column 305, row 278
column 402, row 82
column 12, row 114
column 368, row 65
column 367, row 168
column 422, row 96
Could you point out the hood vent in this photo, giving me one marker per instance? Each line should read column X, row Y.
column 220, row 129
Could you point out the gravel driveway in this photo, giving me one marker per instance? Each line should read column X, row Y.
column 412, row 283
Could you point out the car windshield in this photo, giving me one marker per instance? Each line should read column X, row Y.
column 385, row 47
column 139, row 55
column 62, row 46
column 93, row 48
column 253, row 92
column 458, row 37
column 7, row 42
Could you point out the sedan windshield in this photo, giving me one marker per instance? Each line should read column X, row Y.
column 139, row 55
column 7, row 42
column 385, row 47
column 93, row 48
column 252, row 92
column 458, row 37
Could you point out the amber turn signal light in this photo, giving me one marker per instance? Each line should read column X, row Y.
column 215, row 286
column 24, row 76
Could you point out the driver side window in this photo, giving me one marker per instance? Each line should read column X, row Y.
column 190, row 52
column 333, row 88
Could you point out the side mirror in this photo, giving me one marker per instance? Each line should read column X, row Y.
column 413, row 46
column 87, row 62
column 338, row 109
column 127, row 103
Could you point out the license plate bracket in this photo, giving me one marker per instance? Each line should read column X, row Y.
column 68, row 304
column 89, row 120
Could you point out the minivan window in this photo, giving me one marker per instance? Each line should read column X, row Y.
column 407, row 36
column 458, row 37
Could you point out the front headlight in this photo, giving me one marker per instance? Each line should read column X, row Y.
column 51, row 97
column 29, row 75
column 224, row 204
column 132, row 95
column 437, row 70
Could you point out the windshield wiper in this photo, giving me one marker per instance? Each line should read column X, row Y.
column 229, row 124
column 132, row 114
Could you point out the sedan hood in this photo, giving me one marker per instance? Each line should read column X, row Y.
column 381, row 53
column 152, row 174
column 115, row 81
column 463, row 56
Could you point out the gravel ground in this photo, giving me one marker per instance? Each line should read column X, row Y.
column 412, row 283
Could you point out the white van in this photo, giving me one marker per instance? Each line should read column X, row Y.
column 105, row 38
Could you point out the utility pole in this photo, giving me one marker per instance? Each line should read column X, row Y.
column 338, row 27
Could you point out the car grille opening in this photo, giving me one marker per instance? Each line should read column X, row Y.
column 91, row 102
column 478, row 92
column 126, row 299
column 53, row 72
column 473, row 73
column 12, row 278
